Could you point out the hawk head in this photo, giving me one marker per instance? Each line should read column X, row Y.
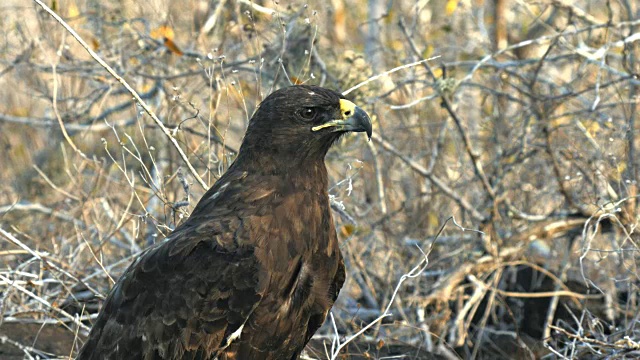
column 300, row 123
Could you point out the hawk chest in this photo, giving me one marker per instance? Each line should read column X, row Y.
column 300, row 227
column 300, row 254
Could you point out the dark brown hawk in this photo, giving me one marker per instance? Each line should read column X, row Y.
column 255, row 269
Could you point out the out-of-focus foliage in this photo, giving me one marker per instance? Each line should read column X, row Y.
column 524, row 127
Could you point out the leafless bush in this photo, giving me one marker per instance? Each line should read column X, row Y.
column 523, row 128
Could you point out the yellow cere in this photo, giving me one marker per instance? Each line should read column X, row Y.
column 347, row 109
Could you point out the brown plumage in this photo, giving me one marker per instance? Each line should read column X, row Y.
column 255, row 269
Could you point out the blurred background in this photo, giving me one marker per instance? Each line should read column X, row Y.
column 509, row 161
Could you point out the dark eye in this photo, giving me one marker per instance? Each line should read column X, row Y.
column 308, row 113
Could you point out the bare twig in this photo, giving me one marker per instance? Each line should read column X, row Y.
column 45, row 303
column 388, row 72
column 124, row 83
column 436, row 181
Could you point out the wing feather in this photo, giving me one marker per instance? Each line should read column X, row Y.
column 190, row 293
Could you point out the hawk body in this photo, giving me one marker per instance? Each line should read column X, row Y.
column 255, row 269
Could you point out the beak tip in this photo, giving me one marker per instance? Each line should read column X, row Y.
column 364, row 122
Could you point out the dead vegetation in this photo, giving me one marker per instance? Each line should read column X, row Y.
column 519, row 141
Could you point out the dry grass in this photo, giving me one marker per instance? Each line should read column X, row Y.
column 532, row 144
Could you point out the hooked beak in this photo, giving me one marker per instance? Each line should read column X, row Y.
column 353, row 119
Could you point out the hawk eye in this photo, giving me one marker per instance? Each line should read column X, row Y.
column 308, row 113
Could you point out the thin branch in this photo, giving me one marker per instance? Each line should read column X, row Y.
column 115, row 75
column 378, row 76
column 44, row 302
column 434, row 179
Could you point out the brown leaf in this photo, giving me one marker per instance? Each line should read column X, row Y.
column 172, row 47
column 163, row 31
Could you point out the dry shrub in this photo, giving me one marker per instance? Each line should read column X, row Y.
column 523, row 128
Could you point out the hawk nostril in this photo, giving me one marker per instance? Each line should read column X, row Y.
column 347, row 113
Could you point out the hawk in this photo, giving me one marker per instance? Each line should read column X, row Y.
column 254, row 270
